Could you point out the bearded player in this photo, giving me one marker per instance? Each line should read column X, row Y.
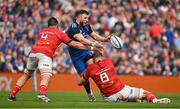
column 79, row 31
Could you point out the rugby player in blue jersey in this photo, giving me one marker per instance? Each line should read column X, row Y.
column 79, row 30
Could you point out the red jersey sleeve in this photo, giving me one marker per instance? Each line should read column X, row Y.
column 65, row 39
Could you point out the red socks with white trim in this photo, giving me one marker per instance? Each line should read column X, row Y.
column 15, row 90
column 150, row 97
column 43, row 89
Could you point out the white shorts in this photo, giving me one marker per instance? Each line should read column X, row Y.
column 126, row 94
column 39, row 61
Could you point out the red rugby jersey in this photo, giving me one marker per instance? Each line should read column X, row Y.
column 48, row 40
column 104, row 75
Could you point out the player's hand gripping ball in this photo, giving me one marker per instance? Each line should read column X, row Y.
column 116, row 41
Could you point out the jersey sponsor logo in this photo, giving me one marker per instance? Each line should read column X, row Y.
column 102, row 71
column 107, row 84
column 43, row 43
column 48, row 32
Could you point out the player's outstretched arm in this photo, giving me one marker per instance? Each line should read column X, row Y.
column 100, row 38
column 85, row 41
column 84, row 47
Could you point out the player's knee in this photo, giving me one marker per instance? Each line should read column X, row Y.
column 46, row 72
column 45, row 78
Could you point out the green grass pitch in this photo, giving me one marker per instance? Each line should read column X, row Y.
column 79, row 100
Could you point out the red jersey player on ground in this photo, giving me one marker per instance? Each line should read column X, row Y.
column 103, row 73
column 41, row 57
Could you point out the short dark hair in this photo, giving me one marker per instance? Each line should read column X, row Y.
column 96, row 54
column 80, row 12
column 52, row 21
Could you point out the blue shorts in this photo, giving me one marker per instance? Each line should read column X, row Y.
column 79, row 62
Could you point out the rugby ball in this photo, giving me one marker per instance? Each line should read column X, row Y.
column 116, row 41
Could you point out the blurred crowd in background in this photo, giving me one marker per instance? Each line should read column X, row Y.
column 149, row 28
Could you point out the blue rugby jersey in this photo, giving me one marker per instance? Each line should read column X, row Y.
column 73, row 29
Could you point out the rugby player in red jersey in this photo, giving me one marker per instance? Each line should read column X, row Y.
column 41, row 57
column 103, row 73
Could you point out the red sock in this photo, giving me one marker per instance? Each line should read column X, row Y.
column 150, row 96
column 43, row 89
column 15, row 90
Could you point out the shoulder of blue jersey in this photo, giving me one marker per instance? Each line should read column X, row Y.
column 74, row 25
column 87, row 27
